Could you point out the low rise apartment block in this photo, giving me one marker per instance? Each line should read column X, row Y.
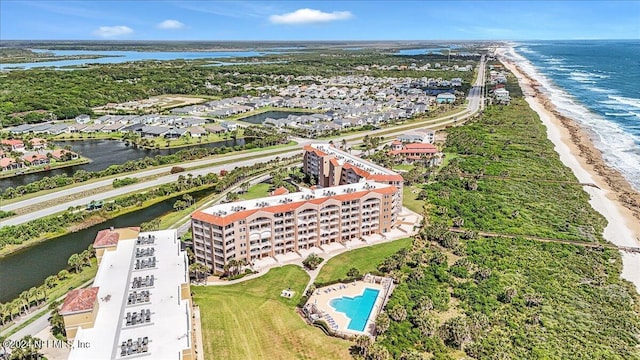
column 254, row 229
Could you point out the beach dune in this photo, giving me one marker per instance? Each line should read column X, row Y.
column 614, row 197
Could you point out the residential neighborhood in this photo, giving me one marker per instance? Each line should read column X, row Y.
column 334, row 104
column 15, row 155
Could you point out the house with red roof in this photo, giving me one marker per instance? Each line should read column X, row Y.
column 36, row 159
column 409, row 153
column 13, row 144
column 7, row 164
column 38, row 143
column 63, row 155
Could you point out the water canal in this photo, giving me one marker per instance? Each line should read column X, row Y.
column 104, row 153
column 24, row 269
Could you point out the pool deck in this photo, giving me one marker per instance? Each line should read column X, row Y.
column 322, row 297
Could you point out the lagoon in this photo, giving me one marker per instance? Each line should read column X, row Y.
column 117, row 57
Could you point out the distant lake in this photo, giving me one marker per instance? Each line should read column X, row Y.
column 438, row 51
column 260, row 118
column 117, row 57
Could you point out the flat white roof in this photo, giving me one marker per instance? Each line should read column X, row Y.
column 304, row 195
column 344, row 157
column 169, row 328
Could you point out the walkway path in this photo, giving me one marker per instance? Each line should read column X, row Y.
column 554, row 240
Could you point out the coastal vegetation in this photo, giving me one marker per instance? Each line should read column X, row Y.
column 460, row 294
column 270, row 328
column 506, row 178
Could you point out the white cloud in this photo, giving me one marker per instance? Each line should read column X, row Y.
column 113, row 31
column 309, row 16
column 170, row 25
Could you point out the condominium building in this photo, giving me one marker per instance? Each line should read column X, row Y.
column 140, row 301
column 332, row 167
column 254, row 229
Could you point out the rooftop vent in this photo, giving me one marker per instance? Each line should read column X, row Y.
column 137, row 318
column 131, row 347
column 138, row 298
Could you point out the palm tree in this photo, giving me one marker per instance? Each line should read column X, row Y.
column 86, row 257
column 75, row 262
column 24, row 299
column 363, row 342
column 33, row 294
column 3, row 313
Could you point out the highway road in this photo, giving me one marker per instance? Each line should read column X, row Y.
column 475, row 103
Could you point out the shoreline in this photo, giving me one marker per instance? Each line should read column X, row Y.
column 616, row 200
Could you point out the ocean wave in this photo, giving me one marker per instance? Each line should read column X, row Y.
column 586, row 77
column 624, row 114
column 625, row 100
column 559, row 68
column 600, row 90
column 618, row 147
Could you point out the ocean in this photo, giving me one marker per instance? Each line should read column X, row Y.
column 597, row 83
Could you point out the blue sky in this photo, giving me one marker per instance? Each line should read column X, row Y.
column 319, row 20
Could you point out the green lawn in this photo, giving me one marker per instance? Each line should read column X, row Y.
column 403, row 167
column 250, row 320
column 409, row 199
column 161, row 142
column 364, row 259
column 256, row 191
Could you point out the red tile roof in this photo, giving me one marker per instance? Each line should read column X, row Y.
column 108, row 237
column 4, row 162
column 382, row 177
column 280, row 191
column 316, row 151
column 38, row 141
column 79, row 300
column 414, row 146
column 59, row 153
column 34, row 157
column 12, row 142
column 231, row 218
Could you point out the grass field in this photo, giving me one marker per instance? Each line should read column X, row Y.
column 364, row 259
column 256, row 191
column 409, row 199
column 250, row 320
column 403, row 167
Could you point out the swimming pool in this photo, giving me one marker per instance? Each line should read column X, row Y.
column 358, row 309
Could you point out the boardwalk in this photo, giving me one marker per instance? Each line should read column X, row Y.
column 630, row 249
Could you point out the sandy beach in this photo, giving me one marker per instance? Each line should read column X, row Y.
column 614, row 198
